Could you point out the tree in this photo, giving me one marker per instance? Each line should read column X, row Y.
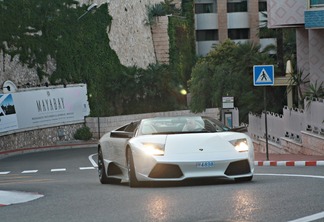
column 227, row 71
column 39, row 30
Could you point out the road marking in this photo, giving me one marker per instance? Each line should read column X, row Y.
column 58, row 170
column 13, row 197
column 15, row 182
column 303, row 219
column 94, row 164
column 52, row 170
column 289, row 175
column 30, row 171
column 310, row 218
column 87, row 168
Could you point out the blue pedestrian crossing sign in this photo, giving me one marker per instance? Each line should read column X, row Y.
column 263, row 75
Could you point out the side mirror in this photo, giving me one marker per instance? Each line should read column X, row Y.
column 240, row 129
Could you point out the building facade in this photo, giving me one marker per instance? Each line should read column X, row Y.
column 307, row 16
column 238, row 20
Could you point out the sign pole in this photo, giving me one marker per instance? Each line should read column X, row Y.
column 265, row 120
column 263, row 75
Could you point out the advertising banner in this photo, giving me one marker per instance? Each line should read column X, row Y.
column 43, row 107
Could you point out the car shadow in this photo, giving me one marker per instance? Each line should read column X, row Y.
column 188, row 182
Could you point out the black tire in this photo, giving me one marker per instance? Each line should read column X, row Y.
column 133, row 182
column 243, row 179
column 101, row 169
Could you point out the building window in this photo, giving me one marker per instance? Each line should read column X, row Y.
column 316, row 3
column 238, row 34
column 237, row 6
column 204, row 8
column 262, row 6
column 206, row 35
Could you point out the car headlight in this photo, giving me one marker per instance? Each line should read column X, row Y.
column 153, row 149
column 241, row 145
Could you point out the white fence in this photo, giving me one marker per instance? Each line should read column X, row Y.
column 290, row 123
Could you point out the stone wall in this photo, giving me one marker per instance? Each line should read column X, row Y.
column 130, row 33
column 161, row 39
column 44, row 137
column 101, row 125
column 12, row 69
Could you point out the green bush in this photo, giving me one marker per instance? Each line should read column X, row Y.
column 83, row 133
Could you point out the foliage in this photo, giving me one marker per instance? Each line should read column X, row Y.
column 296, row 81
column 182, row 50
column 153, row 11
column 144, row 90
column 315, row 91
column 182, row 44
column 161, row 9
column 83, row 133
column 38, row 30
column 227, row 71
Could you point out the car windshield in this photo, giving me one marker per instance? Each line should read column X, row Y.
column 173, row 125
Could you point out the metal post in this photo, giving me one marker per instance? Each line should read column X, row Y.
column 265, row 120
column 98, row 126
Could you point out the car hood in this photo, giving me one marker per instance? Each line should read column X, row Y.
column 198, row 143
column 191, row 143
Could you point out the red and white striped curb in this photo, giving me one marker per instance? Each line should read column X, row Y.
column 289, row 163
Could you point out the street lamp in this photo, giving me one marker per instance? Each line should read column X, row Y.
column 90, row 8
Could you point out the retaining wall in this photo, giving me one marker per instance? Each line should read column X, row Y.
column 36, row 138
column 64, row 134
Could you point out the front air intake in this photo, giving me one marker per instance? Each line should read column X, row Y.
column 166, row 171
column 238, row 168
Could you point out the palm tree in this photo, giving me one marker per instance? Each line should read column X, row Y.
column 298, row 80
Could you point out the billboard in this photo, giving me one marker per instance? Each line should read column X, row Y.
column 43, row 107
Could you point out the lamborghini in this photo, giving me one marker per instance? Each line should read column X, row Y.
column 174, row 149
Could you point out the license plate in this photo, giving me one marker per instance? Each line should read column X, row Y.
column 206, row 164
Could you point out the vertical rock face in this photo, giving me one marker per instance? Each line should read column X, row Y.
column 130, row 34
column 12, row 69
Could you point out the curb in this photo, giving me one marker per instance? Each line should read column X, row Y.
column 289, row 163
column 7, row 153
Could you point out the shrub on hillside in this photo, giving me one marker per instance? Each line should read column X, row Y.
column 83, row 133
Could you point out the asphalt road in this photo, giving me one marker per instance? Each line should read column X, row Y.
column 70, row 191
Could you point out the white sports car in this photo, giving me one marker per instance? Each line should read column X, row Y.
column 174, row 149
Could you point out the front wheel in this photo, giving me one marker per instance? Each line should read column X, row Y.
column 101, row 169
column 133, row 182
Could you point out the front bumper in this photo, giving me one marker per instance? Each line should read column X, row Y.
column 178, row 171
